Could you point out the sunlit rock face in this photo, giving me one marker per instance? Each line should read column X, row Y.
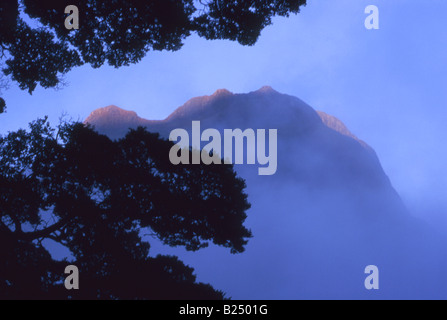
column 327, row 213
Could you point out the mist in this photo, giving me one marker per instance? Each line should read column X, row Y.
column 317, row 228
column 328, row 212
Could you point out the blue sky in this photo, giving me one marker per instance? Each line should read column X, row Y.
column 388, row 86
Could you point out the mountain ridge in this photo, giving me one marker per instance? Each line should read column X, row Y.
column 112, row 114
column 328, row 212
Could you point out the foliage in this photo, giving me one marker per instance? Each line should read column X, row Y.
column 98, row 197
column 38, row 49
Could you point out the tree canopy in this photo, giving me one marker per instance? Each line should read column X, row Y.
column 98, row 198
column 37, row 49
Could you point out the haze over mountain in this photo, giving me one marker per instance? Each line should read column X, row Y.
column 328, row 212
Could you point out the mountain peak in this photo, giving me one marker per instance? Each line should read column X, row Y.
column 112, row 107
column 267, row 89
column 112, row 114
column 225, row 92
column 112, row 110
column 222, row 92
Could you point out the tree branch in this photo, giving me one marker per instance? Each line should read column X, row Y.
column 44, row 233
column 17, row 225
column 4, row 228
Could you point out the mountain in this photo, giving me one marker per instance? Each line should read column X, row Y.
column 115, row 122
column 328, row 212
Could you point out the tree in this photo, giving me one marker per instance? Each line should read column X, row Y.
column 2, row 105
column 98, row 197
column 119, row 32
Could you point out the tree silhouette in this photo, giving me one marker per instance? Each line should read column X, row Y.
column 119, row 32
column 2, row 105
column 98, row 197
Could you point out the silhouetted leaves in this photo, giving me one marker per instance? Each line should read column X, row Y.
column 119, row 32
column 97, row 197
column 38, row 59
column 2, row 105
